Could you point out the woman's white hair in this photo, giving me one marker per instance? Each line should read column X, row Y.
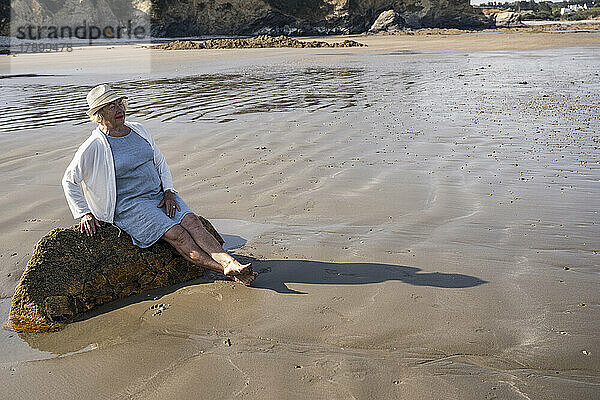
column 97, row 117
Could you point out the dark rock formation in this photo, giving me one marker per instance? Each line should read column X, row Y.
column 181, row 18
column 311, row 17
column 4, row 17
column 70, row 273
column 256, row 42
column 416, row 14
column 178, row 18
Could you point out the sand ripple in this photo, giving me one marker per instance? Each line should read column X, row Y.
column 217, row 97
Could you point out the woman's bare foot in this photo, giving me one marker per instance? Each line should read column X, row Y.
column 240, row 273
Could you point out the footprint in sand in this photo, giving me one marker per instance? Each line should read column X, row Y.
column 158, row 309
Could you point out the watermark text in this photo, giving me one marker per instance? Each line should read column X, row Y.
column 81, row 31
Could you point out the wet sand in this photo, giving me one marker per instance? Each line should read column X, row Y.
column 411, row 207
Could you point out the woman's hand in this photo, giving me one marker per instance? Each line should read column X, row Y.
column 170, row 203
column 88, row 224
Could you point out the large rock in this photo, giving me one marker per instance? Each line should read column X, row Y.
column 70, row 273
column 388, row 21
column 507, row 19
column 417, row 14
column 391, row 21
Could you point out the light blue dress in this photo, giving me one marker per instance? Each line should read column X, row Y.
column 139, row 191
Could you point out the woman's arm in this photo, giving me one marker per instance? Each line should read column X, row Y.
column 75, row 198
column 71, row 186
column 168, row 201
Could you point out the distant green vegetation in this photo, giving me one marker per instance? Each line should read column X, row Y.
column 549, row 11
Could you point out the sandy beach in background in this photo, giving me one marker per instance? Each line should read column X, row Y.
column 411, row 207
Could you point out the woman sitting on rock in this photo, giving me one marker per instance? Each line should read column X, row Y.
column 119, row 175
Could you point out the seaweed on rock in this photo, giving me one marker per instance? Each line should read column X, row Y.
column 70, row 273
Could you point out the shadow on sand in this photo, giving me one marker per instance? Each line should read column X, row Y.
column 274, row 275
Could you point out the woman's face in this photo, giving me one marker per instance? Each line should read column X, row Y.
column 113, row 113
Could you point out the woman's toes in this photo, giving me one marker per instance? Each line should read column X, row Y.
column 238, row 269
column 244, row 268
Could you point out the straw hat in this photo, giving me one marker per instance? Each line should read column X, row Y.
column 100, row 96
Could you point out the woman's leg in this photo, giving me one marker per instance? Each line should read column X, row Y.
column 182, row 241
column 207, row 242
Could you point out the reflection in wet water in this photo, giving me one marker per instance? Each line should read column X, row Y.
column 218, row 97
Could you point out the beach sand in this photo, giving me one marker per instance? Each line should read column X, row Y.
column 411, row 207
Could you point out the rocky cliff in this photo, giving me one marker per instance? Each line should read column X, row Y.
column 178, row 18
column 417, row 13
column 311, row 17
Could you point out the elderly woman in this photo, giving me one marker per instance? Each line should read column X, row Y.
column 119, row 175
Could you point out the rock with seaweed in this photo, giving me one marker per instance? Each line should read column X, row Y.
column 70, row 273
column 262, row 41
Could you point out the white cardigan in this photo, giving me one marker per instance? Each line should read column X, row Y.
column 89, row 181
